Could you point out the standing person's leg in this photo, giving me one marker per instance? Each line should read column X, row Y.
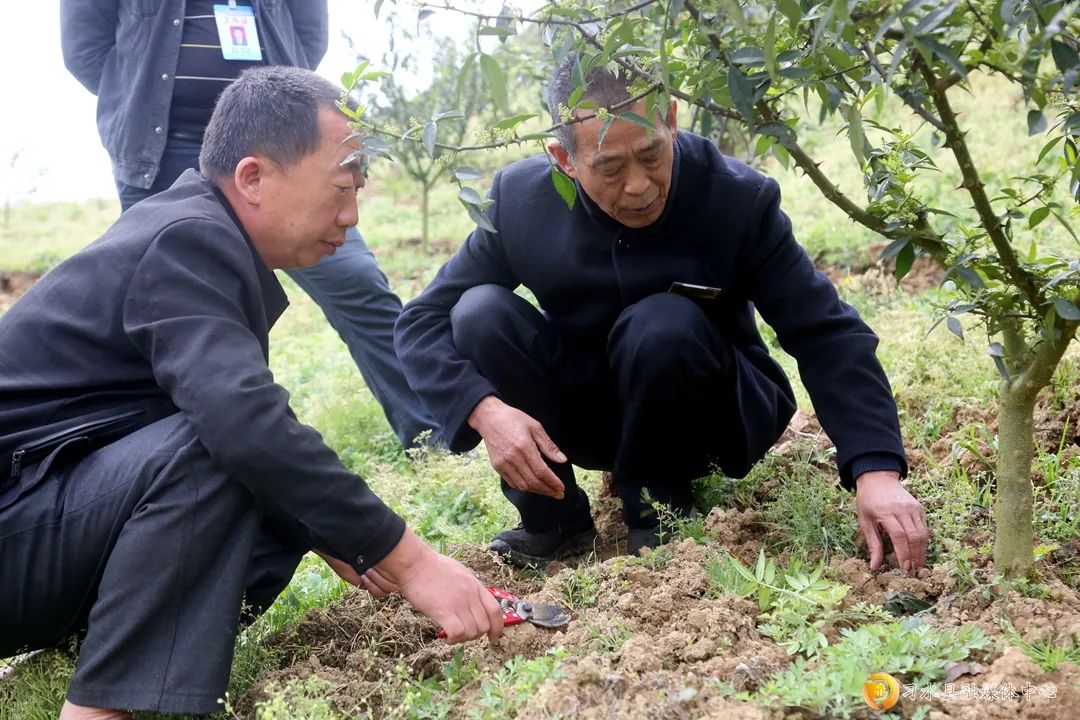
column 147, row 545
column 690, row 402
column 516, row 349
column 356, row 298
column 178, row 156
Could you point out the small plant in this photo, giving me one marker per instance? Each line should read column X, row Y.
column 811, row 515
column 515, row 684
column 910, row 651
column 578, row 588
column 433, row 697
column 607, row 639
column 1046, row 653
column 299, row 699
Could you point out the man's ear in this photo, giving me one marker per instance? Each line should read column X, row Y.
column 562, row 159
column 673, row 118
column 248, row 178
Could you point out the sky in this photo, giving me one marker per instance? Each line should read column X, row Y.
column 48, row 118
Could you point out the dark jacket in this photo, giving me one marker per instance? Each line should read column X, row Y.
column 722, row 227
column 125, row 52
column 171, row 310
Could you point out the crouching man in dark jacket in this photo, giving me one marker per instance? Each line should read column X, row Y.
column 153, row 475
column 644, row 357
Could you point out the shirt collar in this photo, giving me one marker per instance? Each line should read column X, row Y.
column 274, row 298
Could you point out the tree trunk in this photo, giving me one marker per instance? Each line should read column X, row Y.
column 425, row 242
column 1013, row 536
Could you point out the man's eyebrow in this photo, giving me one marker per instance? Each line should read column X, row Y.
column 653, row 146
column 605, row 160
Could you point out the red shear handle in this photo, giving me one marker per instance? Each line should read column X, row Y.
column 507, row 601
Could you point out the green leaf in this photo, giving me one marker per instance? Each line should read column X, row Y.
column 770, row 47
column 512, row 122
column 1065, row 57
column 449, row 115
column 464, row 173
column 500, row 32
column 1037, row 216
column 741, row 92
column 1036, row 122
column 953, row 323
column 495, row 79
column 470, row 196
column 791, row 10
column 904, row 260
column 995, row 349
column 566, row 187
column 946, row 55
column 1048, row 147
column 428, row 139
column 1066, row 309
column 893, row 249
column 463, row 76
column 749, row 55
column 734, row 12
column 480, row 218
column 608, row 122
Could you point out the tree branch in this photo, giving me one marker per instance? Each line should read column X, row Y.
column 975, row 188
column 917, row 109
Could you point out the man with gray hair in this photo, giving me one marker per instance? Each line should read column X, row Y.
column 154, row 477
column 644, row 357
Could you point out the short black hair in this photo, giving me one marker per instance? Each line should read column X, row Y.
column 602, row 86
column 272, row 111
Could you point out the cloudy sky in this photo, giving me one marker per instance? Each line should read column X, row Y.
column 48, row 117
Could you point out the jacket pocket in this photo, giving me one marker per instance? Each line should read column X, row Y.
column 86, row 437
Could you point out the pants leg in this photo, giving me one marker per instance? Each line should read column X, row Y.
column 682, row 391
column 149, row 546
column 514, row 346
column 356, row 298
column 178, row 156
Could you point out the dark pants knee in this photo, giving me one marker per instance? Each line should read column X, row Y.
column 674, row 378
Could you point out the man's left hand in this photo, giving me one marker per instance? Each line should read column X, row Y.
column 883, row 504
column 372, row 581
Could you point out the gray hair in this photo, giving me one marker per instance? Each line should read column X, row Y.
column 602, row 86
column 272, row 111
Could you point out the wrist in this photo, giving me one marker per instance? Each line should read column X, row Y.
column 478, row 417
column 876, row 477
column 402, row 562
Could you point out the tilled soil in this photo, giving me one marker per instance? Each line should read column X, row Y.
column 650, row 642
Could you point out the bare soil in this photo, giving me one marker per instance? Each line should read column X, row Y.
column 12, row 286
column 878, row 277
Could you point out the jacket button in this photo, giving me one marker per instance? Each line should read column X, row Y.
column 158, row 130
column 164, row 76
column 176, row 21
column 146, row 176
column 360, row 560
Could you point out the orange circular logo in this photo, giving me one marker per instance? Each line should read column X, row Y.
column 881, row 691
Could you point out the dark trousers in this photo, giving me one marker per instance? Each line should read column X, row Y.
column 666, row 400
column 150, row 548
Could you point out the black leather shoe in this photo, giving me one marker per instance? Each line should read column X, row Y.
column 524, row 548
column 638, row 538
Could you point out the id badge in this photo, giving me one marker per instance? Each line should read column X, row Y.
column 236, row 30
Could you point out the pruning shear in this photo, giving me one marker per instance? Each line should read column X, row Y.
column 515, row 610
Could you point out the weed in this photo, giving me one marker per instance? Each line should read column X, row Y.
column 1046, row 653
column 299, row 699
column 607, row 639
column 910, row 650
column 503, row 695
column 811, row 515
column 578, row 588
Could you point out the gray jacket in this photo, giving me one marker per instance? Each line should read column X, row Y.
column 125, row 52
column 170, row 310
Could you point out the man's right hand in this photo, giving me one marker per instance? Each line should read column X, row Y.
column 443, row 589
column 514, row 442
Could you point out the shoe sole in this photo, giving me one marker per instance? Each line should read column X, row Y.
column 574, row 545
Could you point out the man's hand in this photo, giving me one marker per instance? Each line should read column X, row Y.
column 883, row 503
column 443, row 589
column 372, row 580
column 514, row 441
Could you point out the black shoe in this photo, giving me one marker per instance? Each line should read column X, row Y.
column 646, row 537
column 524, row 548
